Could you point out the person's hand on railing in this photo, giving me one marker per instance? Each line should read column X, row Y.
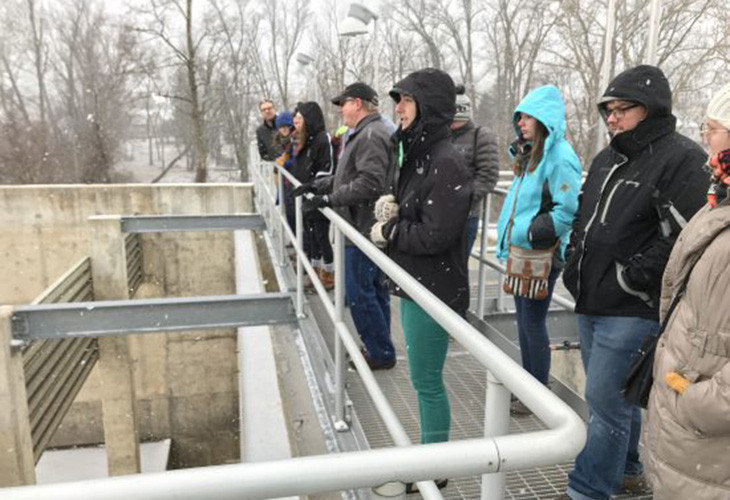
column 307, row 187
column 386, row 208
column 314, row 202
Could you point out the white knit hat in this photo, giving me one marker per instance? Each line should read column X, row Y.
column 719, row 107
column 463, row 105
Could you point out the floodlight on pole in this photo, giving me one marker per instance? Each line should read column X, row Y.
column 356, row 24
column 304, row 59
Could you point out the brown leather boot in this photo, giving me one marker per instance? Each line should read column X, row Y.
column 327, row 279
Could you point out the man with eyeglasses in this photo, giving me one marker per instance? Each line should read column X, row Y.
column 265, row 133
column 640, row 192
column 361, row 178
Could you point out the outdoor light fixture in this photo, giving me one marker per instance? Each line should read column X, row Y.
column 357, row 20
column 304, row 59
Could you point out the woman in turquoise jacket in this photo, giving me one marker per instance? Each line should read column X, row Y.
column 538, row 212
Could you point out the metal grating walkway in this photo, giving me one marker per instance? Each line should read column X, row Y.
column 465, row 380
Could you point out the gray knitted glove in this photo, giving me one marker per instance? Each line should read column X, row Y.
column 386, row 208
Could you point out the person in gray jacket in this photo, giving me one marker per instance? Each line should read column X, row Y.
column 360, row 179
column 479, row 146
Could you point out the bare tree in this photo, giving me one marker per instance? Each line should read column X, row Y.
column 420, row 17
column 516, row 32
column 285, row 23
column 162, row 16
column 236, row 78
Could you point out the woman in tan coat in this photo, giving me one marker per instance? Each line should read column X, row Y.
column 687, row 435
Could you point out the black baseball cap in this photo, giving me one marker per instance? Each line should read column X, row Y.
column 357, row 90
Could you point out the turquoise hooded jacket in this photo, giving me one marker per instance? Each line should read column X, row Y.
column 559, row 171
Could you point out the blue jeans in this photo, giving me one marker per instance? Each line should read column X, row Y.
column 533, row 333
column 608, row 346
column 472, row 226
column 369, row 303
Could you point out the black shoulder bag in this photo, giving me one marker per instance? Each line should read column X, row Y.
column 637, row 384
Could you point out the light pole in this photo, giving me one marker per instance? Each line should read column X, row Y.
column 356, row 24
column 305, row 60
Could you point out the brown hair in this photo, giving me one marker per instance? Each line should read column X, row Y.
column 265, row 101
column 538, row 147
column 302, row 136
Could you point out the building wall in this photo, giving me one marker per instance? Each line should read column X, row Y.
column 186, row 383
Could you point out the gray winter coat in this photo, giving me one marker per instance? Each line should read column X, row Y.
column 687, row 437
column 479, row 147
column 360, row 178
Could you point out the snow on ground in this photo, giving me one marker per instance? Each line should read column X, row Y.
column 78, row 464
column 134, row 166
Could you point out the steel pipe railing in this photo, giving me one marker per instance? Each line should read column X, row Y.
column 475, row 343
column 495, row 454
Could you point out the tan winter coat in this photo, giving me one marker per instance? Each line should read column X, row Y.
column 686, row 437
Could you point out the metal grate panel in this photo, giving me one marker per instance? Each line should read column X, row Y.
column 465, row 381
column 55, row 370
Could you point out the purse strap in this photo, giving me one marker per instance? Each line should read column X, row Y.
column 683, row 287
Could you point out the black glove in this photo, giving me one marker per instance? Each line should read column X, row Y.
column 315, row 202
column 304, row 188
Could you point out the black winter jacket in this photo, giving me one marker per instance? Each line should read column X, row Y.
column 639, row 193
column 479, row 147
column 362, row 173
column 265, row 134
column 314, row 157
column 433, row 189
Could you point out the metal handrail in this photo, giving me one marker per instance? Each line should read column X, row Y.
column 492, row 455
column 500, row 365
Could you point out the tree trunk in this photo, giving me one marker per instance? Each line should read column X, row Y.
column 201, row 169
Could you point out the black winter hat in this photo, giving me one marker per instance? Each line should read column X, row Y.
column 435, row 95
column 642, row 84
column 358, row 90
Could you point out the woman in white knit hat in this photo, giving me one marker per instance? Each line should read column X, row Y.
column 687, row 434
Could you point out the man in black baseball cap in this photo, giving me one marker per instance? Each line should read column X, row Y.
column 357, row 90
column 359, row 180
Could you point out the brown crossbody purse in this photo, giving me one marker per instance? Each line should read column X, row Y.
column 527, row 269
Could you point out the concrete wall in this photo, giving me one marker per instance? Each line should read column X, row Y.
column 186, row 383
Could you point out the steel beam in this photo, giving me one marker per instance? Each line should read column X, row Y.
column 168, row 223
column 119, row 317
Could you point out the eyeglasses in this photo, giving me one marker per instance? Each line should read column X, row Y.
column 706, row 130
column 617, row 112
column 346, row 100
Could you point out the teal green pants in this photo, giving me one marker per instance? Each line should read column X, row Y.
column 427, row 343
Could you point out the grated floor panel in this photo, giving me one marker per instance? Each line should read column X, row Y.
column 465, row 381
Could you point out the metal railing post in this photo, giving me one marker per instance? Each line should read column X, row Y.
column 341, row 420
column 299, row 223
column 483, row 241
column 282, row 222
column 496, row 423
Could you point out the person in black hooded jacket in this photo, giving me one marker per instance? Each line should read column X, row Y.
column 423, row 226
column 638, row 195
column 312, row 159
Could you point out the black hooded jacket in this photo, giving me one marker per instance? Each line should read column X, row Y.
column 640, row 191
column 433, row 190
column 314, row 157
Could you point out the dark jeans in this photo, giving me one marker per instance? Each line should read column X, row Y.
column 608, row 345
column 532, row 328
column 316, row 238
column 290, row 207
column 369, row 303
column 472, row 226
